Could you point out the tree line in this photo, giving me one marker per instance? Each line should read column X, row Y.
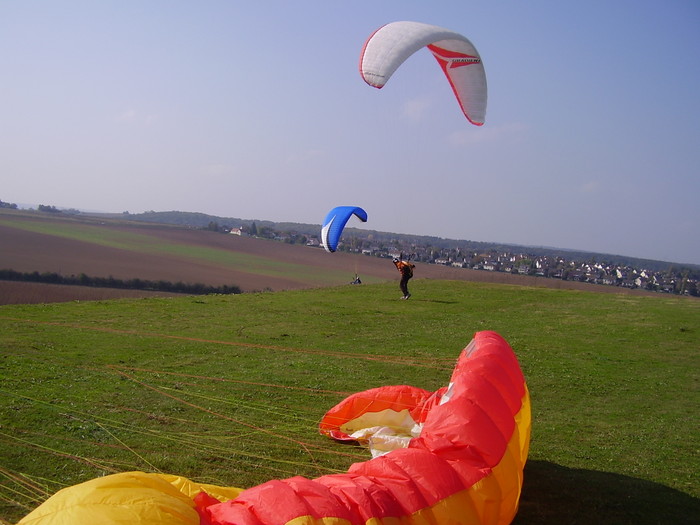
column 111, row 282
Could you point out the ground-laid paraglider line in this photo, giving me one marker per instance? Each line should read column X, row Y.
column 37, row 494
column 306, row 446
column 455, row 456
column 228, row 380
column 406, row 361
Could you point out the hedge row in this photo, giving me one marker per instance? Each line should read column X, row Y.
column 111, row 282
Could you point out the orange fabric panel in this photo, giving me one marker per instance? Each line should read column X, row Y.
column 395, row 398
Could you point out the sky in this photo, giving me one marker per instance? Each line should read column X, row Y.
column 256, row 110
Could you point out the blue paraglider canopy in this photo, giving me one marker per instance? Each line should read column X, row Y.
column 335, row 222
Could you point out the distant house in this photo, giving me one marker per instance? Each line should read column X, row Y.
column 236, row 231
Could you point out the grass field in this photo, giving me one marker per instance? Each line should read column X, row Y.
column 229, row 389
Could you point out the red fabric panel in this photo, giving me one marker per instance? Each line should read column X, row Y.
column 416, row 478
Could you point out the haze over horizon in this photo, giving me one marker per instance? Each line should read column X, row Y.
column 257, row 111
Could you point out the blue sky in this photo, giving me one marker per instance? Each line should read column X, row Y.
column 257, row 110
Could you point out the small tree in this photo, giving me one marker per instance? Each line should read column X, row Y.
column 49, row 209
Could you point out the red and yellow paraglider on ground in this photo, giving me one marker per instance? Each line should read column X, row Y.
column 453, row 456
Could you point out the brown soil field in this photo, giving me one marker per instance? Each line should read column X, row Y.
column 28, row 251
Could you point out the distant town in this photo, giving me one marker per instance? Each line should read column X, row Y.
column 547, row 263
column 674, row 279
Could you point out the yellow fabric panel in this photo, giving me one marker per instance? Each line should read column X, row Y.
column 523, row 421
column 508, row 477
column 513, row 462
column 486, row 495
column 139, row 498
column 191, row 489
column 457, row 509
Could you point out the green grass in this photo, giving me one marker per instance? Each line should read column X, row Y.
column 229, row 389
